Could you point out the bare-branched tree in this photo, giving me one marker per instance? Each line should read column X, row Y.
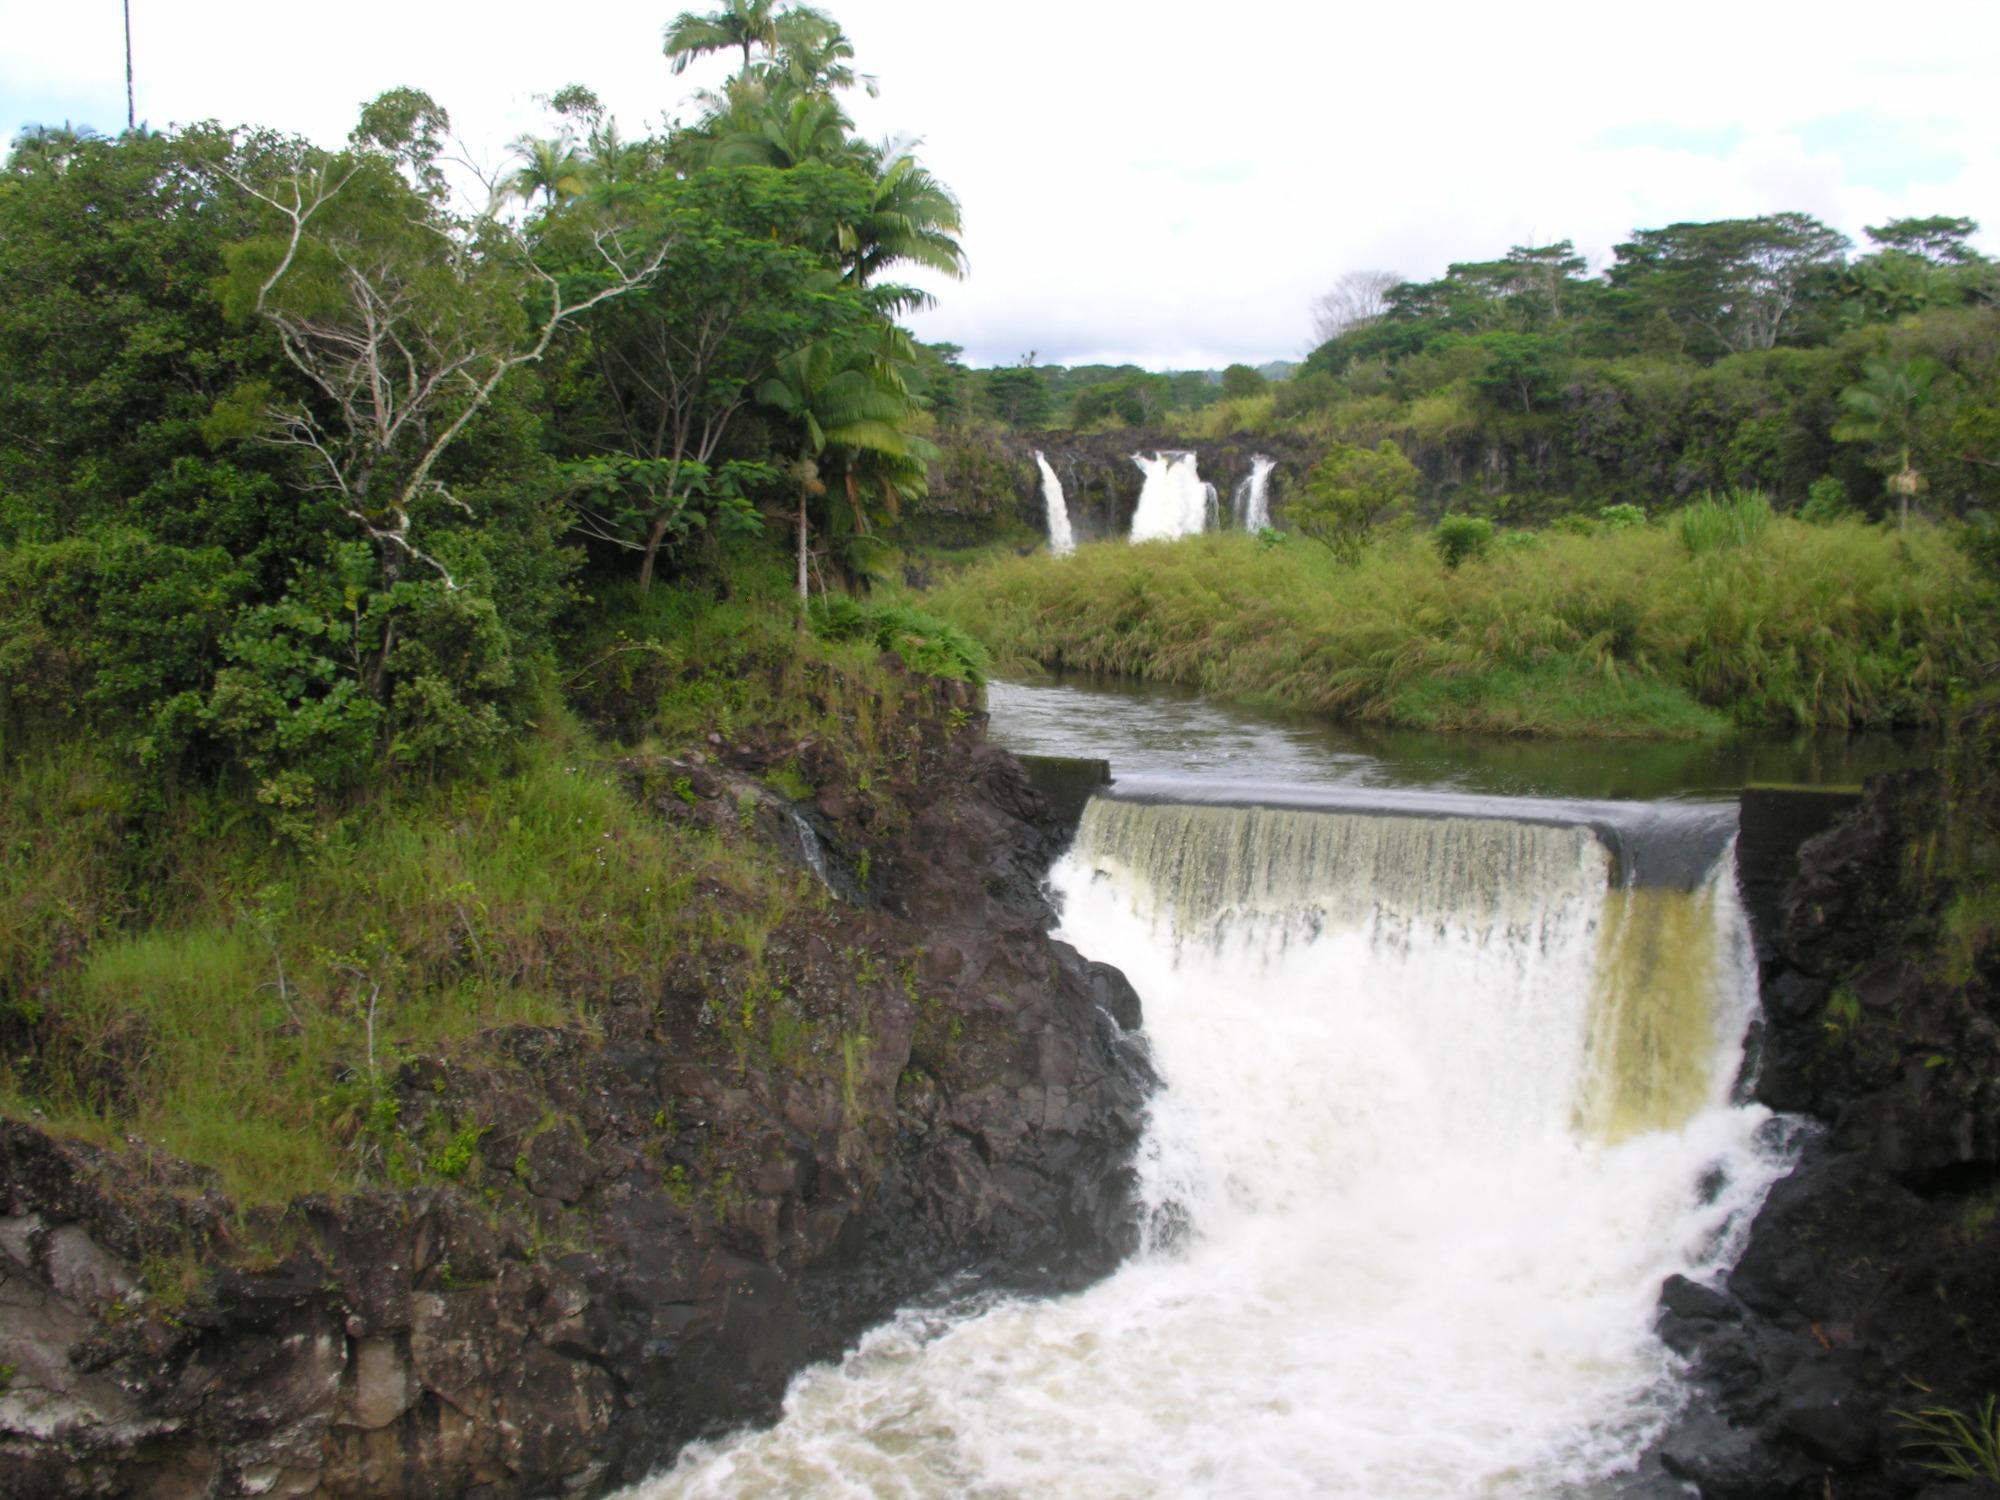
column 1357, row 299
column 405, row 322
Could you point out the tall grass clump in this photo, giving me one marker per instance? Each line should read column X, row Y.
column 1624, row 633
column 1711, row 524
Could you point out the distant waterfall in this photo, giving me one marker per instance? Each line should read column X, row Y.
column 1252, row 501
column 1174, row 502
column 1062, row 540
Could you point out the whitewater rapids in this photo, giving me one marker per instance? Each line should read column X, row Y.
column 1443, row 1103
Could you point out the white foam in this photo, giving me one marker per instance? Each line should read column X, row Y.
column 1382, row 1263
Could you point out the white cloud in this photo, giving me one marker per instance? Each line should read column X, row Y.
column 1169, row 184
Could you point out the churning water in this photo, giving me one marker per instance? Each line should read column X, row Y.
column 1445, row 1098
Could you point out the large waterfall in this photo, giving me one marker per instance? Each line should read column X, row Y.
column 1251, row 501
column 1174, row 501
column 1445, row 1098
column 1062, row 541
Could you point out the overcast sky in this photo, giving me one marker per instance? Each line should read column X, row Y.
column 1168, row 183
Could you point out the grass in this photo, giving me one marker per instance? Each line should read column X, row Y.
column 249, row 1026
column 1962, row 1446
column 1630, row 632
column 168, row 972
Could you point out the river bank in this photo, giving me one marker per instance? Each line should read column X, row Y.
column 629, row 1228
column 1625, row 634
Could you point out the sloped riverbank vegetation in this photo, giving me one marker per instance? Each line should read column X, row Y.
column 1631, row 632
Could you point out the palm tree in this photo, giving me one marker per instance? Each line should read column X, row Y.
column 740, row 23
column 549, row 167
column 784, row 130
column 1882, row 408
column 911, row 217
column 131, row 107
column 815, row 54
column 48, row 148
column 844, row 401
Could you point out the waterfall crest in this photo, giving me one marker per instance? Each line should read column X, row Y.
column 1062, row 541
column 1173, row 501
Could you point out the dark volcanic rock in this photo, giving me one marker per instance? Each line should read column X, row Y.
column 662, row 1219
column 1871, row 1281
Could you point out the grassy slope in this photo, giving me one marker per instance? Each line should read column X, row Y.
column 1620, row 634
column 181, row 977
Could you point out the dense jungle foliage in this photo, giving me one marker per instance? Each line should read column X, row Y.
column 362, row 553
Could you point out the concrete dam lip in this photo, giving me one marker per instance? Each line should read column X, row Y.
column 1665, row 844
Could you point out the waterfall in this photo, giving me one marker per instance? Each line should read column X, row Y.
column 1062, row 541
column 1444, row 1100
column 1173, row 502
column 1251, row 501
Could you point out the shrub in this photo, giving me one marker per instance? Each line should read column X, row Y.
column 1980, row 541
column 924, row 642
column 1621, row 517
column 1460, row 539
column 1827, row 501
column 1349, row 493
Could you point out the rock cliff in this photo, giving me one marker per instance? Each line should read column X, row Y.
column 658, row 1217
column 1869, row 1293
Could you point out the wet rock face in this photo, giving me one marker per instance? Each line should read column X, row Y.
column 662, row 1220
column 1869, row 1287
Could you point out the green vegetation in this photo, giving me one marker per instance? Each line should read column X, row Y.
column 1754, row 354
column 1633, row 631
column 169, row 970
column 336, row 710
column 1964, row 1447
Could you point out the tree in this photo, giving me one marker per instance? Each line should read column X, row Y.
column 550, row 167
column 1939, row 239
column 677, row 361
column 402, row 321
column 740, row 23
column 1240, row 380
column 1018, row 394
column 1358, row 298
column 1544, row 281
column 844, row 399
column 115, row 348
column 1882, row 410
column 131, row 105
column 1517, row 369
column 910, row 217
column 1350, row 492
column 1740, row 283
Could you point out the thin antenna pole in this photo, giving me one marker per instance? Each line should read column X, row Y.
column 131, row 112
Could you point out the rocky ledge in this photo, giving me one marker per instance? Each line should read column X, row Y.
column 659, row 1217
column 1867, row 1303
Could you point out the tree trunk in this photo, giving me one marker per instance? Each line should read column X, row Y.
column 653, row 536
column 802, row 546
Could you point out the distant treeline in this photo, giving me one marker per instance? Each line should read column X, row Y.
column 1757, row 353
